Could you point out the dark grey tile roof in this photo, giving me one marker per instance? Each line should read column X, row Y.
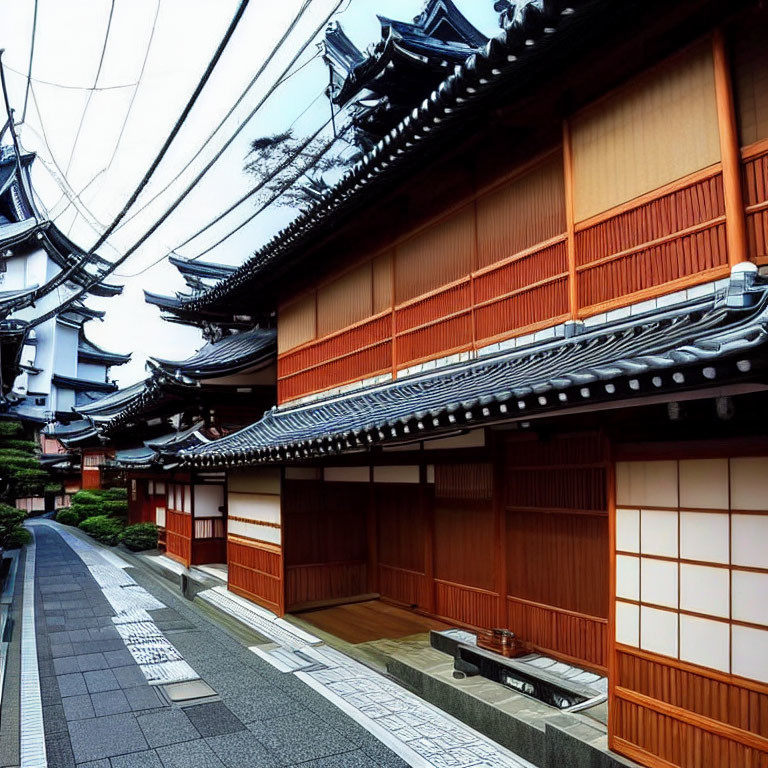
column 663, row 351
column 108, row 406
column 87, row 350
column 228, row 355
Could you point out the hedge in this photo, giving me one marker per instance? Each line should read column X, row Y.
column 105, row 529
column 140, row 536
column 67, row 516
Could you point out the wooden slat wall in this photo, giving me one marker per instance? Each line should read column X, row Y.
column 749, row 57
column 557, row 552
column 326, row 552
column 255, row 566
column 648, row 218
column 661, row 128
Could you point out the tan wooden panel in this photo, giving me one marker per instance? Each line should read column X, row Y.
column 659, row 128
column 435, row 257
column 345, row 301
column 296, row 323
column 382, row 282
column 750, row 78
column 527, row 210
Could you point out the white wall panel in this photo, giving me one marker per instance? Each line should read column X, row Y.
column 704, row 484
column 750, row 653
column 658, row 582
column 254, row 531
column 627, row 624
column 257, row 480
column 658, row 532
column 704, row 536
column 628, row 577
column 749, row 483
column 705, row 590
column 705, row 642
column 347, row 474
column 628, row 530
column 658, row 631
column 646, row 484
column 474, row 439
column 404, row 474
column 303, row 473
column 255, row 506
column 750, row 597
column 208, row 500
column 749, row 540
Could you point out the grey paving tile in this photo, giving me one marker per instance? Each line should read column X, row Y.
column 71, row 684
column 103, row 633
column 78, row 635
column 91, row 661
column 106, row 737
column 300, row 737
column 109, row 703
column 168, row 727
column 54, row 719
column 66, row 665
column 95, row 764
column 191, row 754
column 119, row 658
column 148, row 759
column 257, row 702
column 62, row 649
column 242, row 750
column 213, row 719
column 143, row 697
column 58, row 750
column 129, row 676
column 357, row 759
column 101, row 680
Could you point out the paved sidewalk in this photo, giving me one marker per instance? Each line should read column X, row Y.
column 99, row 711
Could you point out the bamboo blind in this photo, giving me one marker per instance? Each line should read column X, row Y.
column 659, row 128
column 528, row 210
column 435, row 257
column 296, row 323
column 382, row 282
column 750, row 79
column 345, row 301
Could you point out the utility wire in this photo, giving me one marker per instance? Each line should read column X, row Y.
column 31, row 60
column 302, row 10
column 68, row 87
column 147, row 176
column 270, row 177
column 90, row 93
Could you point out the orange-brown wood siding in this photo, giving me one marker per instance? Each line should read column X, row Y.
column 255, row 571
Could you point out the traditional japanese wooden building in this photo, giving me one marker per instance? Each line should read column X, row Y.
column 521, row 365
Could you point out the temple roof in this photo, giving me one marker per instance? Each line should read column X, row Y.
column 701, row 344
column 509, row 61
column 197, row 273
column 229, row 355
column 86, row 385
column 110, row 405
column 90, row 352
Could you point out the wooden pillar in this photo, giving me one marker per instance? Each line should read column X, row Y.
column 735, row 223
column 428, row 511
column 371, row 521
column 611, row 631
column 573, row 293
column 500, row 529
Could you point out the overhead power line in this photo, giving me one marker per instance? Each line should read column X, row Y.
column 90, row 93
column 68, row 86
column 302, row 10
column 31, row 60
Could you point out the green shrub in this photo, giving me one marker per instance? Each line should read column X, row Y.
column 115, row 508
column 28, row 446
column 87, row 497
column 67, row 516
column 18, row 538
column 10, row 522
column 21, row 462
column 140, row 536
column 104, row 529
column 116, row 494
column 11, row 429
column 86, row 510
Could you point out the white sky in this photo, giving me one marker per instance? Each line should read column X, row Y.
column 69, row 40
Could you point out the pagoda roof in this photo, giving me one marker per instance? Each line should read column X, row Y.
column 90, row 352
column 511, row 60
column 111, row 404
column 702, row 344
column 13, row 232
column 234, row 353
column 198, row 274
column 135, row 457
column 86, row 385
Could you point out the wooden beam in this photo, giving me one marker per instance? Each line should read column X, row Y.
column 736, row 228
column 573, row 293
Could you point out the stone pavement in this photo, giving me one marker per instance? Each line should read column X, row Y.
column 99, row 711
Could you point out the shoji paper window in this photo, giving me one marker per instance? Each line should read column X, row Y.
column 656, row 130
column 692, row 561
column 296, row 323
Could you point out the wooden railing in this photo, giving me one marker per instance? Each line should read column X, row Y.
column 178, row 536
column 755, row 176
column 255, row 571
